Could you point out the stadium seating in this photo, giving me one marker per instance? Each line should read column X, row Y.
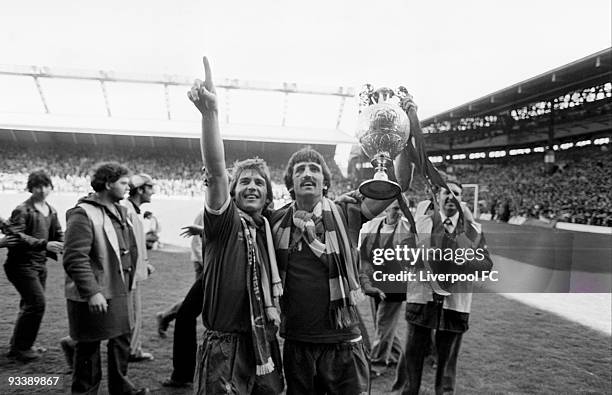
column 574, row 190
column 176, row 174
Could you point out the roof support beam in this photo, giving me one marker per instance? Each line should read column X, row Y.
column 110, row 76
column 340, row 112
column 167, row 94
column 227, row 106
column 106, row 103
column 42, row 95
column 285, row 107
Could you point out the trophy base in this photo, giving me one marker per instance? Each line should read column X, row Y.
column 380, row 189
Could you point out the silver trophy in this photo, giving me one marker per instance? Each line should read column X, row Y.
column 383, row 130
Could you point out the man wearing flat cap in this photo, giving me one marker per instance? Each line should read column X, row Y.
column 141, row 190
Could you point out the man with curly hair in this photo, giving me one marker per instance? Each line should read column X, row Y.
column 100, row 260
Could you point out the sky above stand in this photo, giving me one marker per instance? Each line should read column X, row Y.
column 445, row 52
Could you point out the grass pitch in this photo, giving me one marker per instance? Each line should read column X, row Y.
column 510, row 348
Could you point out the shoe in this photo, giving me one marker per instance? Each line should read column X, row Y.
column 141, row 391
column 24, row 355
column 162, row 325
column 175, row 384
column 68, row 345
column 145, row 356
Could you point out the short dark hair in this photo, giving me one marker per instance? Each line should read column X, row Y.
column 107, row 172
column 39, row 178
column 307, row 155
column 257, row 164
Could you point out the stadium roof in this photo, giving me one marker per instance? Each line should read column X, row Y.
column 105, row 102
column 589, row 71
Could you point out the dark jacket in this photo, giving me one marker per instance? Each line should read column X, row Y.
column 23, row 223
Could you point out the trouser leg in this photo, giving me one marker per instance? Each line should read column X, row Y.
column 300, row 368
column 170, row 314
column 343, row 369
column 340, row 369
column 410, row 369
column 386, row 348
column 30, row 283
column 226, row 365
column 135, row 339
column 117, row 364
column 184, row 347
column 447, row 345
column 87, row 372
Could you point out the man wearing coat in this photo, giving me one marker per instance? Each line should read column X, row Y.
column 100, row 260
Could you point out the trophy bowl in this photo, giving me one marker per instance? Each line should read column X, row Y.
column 383, row 130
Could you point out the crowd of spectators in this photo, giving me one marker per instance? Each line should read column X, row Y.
column 576, row 189
column 176, row 173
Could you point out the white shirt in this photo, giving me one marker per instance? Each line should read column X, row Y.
column 454, row 219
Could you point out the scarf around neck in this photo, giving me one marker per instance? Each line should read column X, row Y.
column 333, row 249
column 264, row 287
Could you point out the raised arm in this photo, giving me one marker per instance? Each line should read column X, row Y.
column 204, row 97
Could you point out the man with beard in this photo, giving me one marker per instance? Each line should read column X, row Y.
column 100, row 259
column 240, row 352
column 36, row 234
column 442, row 228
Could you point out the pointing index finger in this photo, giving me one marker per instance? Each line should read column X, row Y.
column 207, row 72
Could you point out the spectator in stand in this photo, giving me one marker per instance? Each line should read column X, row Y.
column 581, row 177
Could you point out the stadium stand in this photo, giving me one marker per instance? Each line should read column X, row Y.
column 176, row 173
column 575, row 190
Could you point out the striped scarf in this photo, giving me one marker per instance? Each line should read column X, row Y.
column 334, row 250
column 264, row 287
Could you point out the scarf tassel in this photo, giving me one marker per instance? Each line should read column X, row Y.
column 266, row 368
column 344, row 316
column 357, row 295
column 277, row 289
column 272, row 314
